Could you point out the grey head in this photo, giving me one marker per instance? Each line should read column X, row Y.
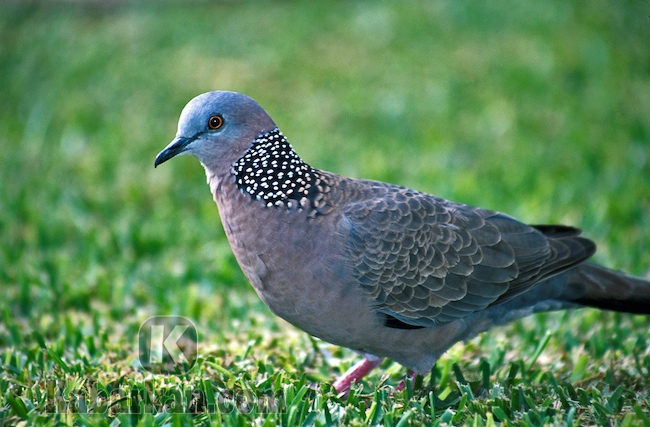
column 217, row 128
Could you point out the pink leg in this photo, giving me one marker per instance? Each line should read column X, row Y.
column 402, row 385
column 355, row 373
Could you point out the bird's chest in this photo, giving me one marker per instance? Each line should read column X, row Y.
column 284, row 253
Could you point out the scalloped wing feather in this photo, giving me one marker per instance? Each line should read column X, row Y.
column 425, row 260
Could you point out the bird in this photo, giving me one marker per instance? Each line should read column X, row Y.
column 378, row 268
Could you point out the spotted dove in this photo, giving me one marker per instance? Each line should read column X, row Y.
column 374, row 267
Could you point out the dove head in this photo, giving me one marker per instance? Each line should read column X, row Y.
column 217, row 128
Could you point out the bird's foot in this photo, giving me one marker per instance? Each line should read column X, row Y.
column 355, row 373
column 402, row 385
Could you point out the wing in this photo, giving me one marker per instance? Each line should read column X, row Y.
column 425, row 260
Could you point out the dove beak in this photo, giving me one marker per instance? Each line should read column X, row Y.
column 176, row 147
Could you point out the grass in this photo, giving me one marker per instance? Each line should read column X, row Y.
column 537, row 110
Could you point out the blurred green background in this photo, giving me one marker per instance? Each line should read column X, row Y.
column 537, row 109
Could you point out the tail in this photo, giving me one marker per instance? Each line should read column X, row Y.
column 596, row 286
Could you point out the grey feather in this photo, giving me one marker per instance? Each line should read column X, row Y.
column 376, row 267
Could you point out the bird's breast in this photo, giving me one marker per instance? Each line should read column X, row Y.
column 286, row 254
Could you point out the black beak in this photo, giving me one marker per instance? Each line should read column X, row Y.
column 176, row 147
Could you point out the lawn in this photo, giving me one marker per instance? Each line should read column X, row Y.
column 537, row 109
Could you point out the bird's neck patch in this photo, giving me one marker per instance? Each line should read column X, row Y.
column 270, row 171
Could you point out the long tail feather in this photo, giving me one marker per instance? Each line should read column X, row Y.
column 610, row 290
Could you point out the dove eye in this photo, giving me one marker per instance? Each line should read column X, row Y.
column 215, row 122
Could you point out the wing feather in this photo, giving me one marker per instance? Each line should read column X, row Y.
column 425, row 260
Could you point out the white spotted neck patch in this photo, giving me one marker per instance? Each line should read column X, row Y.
column 270, row 171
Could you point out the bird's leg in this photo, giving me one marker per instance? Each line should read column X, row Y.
column 402, row 385
column 355, row 373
